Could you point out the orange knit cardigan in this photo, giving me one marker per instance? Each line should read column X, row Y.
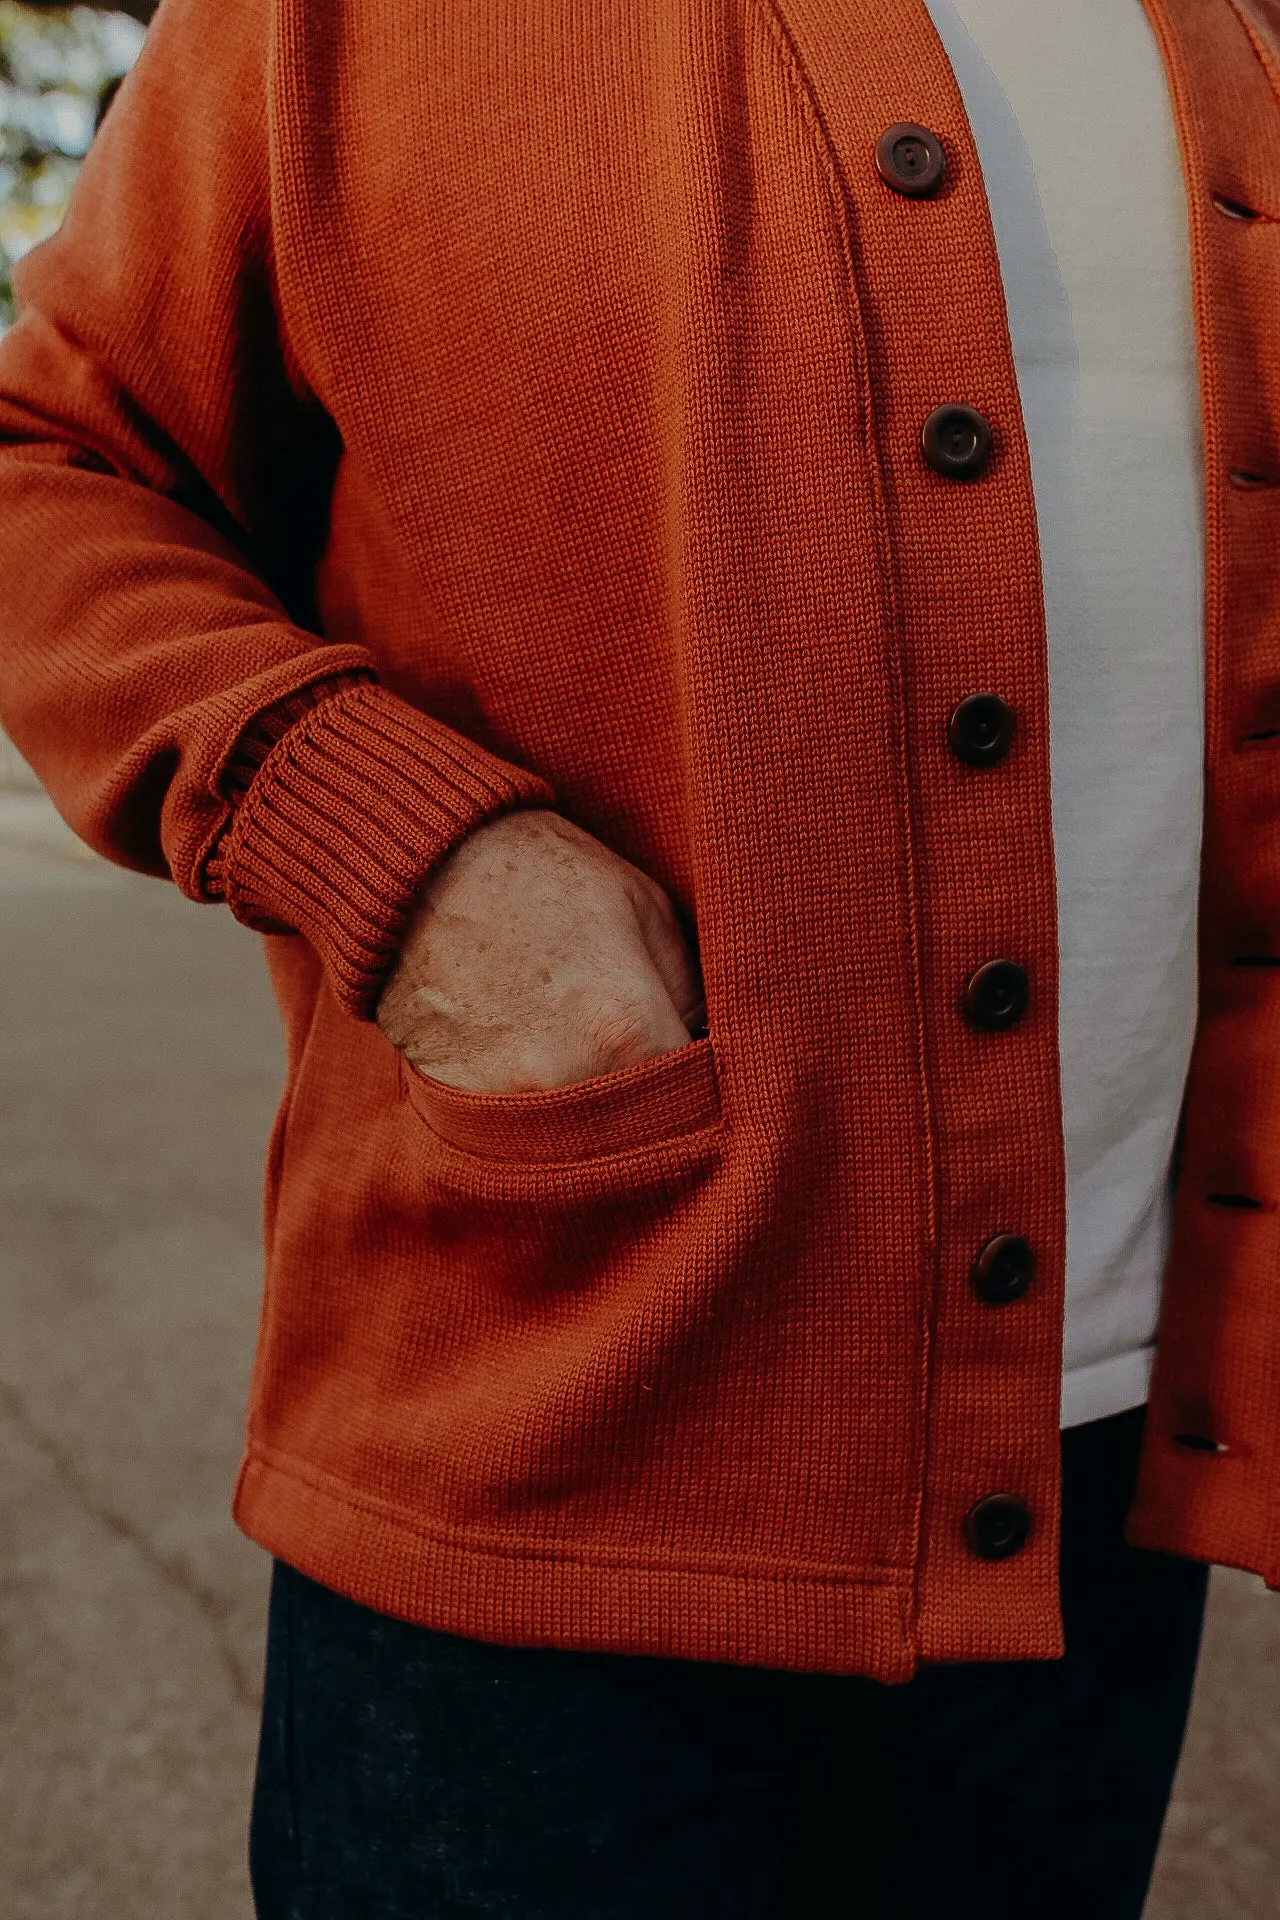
column 430, row 410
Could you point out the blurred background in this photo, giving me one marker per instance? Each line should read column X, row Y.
column 139, row 1067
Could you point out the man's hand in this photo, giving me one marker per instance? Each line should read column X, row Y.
column 536, row 958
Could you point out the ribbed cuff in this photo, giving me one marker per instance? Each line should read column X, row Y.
column 245, row 761
column 341, row 823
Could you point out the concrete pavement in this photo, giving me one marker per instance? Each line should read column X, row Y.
column 139, row 1065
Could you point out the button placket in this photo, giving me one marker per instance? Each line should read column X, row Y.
column 927, row 267
column 957, row 443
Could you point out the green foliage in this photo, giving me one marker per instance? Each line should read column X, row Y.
column 56, row 66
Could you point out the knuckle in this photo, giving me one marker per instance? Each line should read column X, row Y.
column 663, row 905
column 618, row 1033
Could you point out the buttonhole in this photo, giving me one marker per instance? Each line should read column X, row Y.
column 1200, row 1443
column 1249, row 479
column 1245, row 1201
column 1256, row 960
column 1234, row 209
column 1265, row 733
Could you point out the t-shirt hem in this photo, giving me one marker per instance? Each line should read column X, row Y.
column 1113, row 1385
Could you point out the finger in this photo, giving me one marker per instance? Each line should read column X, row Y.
column 665, row 945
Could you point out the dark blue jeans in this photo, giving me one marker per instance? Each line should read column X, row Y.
column 406, row 1774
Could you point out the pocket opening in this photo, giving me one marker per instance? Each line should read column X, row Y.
column 664, row 1099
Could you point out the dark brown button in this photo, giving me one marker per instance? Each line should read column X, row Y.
column 956, row 442
column 997, row 1526
column 1004, row 1269
column 996, row 995
column 981, row 729
column 910, row 160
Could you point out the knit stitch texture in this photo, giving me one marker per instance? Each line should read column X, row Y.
column 437, row 410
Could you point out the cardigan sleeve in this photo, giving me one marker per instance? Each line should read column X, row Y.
column 165, row 475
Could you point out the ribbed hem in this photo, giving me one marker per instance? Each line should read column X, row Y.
column 346, row 815
column 554, row 1596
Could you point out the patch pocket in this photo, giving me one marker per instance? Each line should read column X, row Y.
column 663, row 1099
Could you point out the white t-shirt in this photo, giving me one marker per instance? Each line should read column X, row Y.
column 1069, row 108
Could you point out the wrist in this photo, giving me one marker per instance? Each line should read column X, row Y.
column 347, row 815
